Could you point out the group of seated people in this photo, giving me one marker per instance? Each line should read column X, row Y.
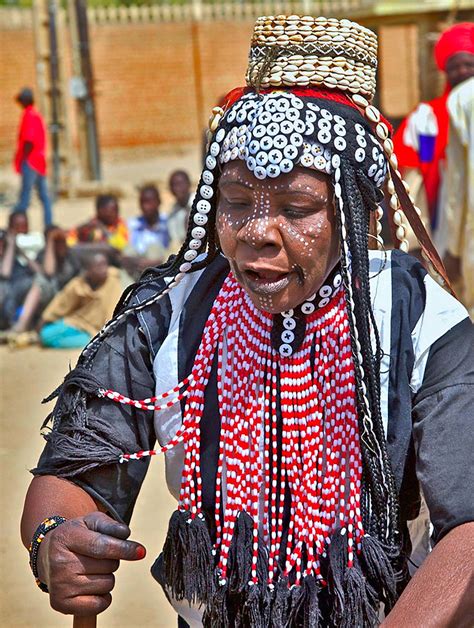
column 60, row 289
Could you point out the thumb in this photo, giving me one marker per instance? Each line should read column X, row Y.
column 100, row 522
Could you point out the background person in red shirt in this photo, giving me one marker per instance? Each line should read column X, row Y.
column 30, row 156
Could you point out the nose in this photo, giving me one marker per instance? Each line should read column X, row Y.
column 260, row 232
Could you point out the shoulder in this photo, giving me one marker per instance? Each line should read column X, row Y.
column 418, row 294
column 398, row 284
column 191, row 299
column 134, row 223
column 421, row 311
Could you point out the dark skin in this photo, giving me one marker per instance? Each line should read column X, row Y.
column 18, row 223
column 150, row 203
column 150, row 206
column 274, row 226
column 459, row 67
column 96, row 271
column 180, row 187
column 108, row 214
column 278, row 236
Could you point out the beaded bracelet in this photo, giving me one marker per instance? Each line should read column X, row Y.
column 44, row 527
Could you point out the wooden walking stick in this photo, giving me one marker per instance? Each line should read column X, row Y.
column 85, row 622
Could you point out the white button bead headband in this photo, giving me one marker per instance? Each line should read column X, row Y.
column 275, row 132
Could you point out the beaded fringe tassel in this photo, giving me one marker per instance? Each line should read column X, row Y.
column 289, row 430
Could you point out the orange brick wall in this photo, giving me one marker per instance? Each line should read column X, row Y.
column 17, row 69
column 146, row 80
column 146, row 90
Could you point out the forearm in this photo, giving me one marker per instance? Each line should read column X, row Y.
column 49, row 262
column 49, row 495
column 6, row 266
column 440, row 595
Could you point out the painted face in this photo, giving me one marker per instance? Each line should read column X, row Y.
column 278, row 234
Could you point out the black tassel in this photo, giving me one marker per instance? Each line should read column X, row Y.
column 83, row 448
column 337, row 551
column 240, row 554
column 198, row 562
column 174, row 550
column 216, row 614
column 281, row 604
column 187, row 558
column 268, row 597
column 379, row 570
column 253, row 609
column 312, row 615
column 358, row 608
column 296, row 605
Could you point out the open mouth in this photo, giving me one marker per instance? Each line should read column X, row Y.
column 266, row 282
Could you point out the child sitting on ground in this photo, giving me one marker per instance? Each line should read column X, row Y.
column 58, row 265
column 83, row 306
column 149, row 237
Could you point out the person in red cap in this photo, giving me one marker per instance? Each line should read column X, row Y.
column 30, row 156
column 420, row 141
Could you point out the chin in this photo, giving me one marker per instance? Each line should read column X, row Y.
column 274, row 304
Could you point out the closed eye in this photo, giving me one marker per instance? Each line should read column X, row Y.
column 300, row 212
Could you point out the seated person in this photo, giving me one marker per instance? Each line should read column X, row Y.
column 58, row 266
column 180, row 188
column 105, row 228
column 149, row 237
column 83, row 306
column 17, row 269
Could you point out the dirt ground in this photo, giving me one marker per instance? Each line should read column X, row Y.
column 26, row 376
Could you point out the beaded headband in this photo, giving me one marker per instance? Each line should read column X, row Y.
column 277, row 131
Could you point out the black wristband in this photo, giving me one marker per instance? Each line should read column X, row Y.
column 44, row 527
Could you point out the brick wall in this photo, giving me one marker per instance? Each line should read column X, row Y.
column 147, row 74
column 146, row 90
column 17, row 68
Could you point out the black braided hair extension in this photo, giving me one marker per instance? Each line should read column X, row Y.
column 378, row 474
